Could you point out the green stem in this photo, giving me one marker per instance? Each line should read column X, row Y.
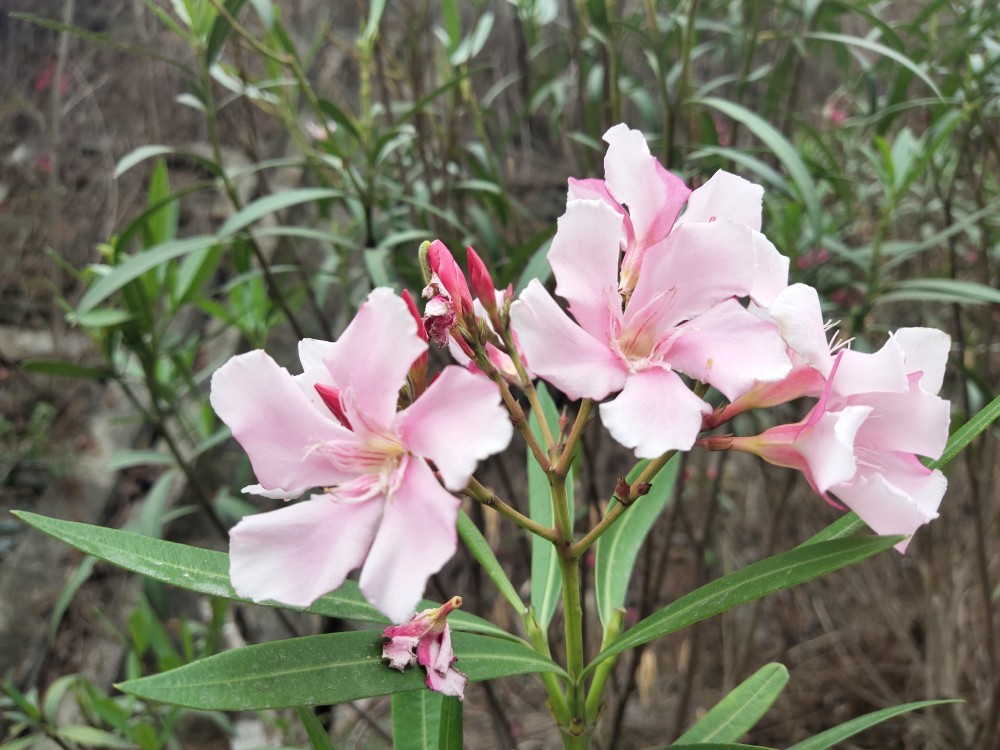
column 528, row 387
column 557, row 698
column 575, row 551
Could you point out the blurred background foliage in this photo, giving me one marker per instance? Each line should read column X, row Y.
column 182, row 179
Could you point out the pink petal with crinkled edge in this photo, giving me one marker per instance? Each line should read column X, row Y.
column 654, row 413
column 700, row 265
column 277, row 425
column 297, row 553
column 584, row 259
column 560, row 351
column 636, row 179
column 311, row 353
column 441, row 675
column 860, row 373
column 925, row 350
column 798, row 315
column 416, row 538
column 725, row 197
column 400, row 650
column 374, row 353
column 897, row 500
column 731, row 349
column 914, row 422
column 771, row 271
column 457, row 422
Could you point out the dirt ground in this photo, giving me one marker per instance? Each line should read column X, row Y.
column 894, row 630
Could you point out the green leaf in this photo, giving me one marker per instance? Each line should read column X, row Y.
column 221, row 29
column 262, row 207
column 92, row 737
column 967, row 433
column 940, row 290
column 54, row 696
column 716, row 746
column 845, row 526
column 127, row 459
column 143, row 153
column 881, row 49
column 207, row 572
column 736, row 714
column 416, row 720
column 135, row 267
column 451, row 735
column 319, row 738
column 480, row 549
column 320, row 670
column 832, row 736
column 63, row 369
column 546, row 581
column 752, row 582
column 618, row 547
column 784, row 151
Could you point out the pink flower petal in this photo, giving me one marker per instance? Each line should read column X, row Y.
column 636, row 179
column 373, row 355
column 457, row 422
column 731, row 349
column 311, row 353
column 827, row 446
column 584, row 259
column 298, row 553
column 725, row 197
column 899, row 499
column 598, row 190
column 771, row 270
column 925, row 350
column 276, row 423
column 914, row 422
column 654, row 413
column 702, row 264
column 797, row 312
column 416, row 538
column 860, row 373
column 560, row 351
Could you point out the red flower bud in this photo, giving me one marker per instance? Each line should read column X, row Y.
column 482, row 282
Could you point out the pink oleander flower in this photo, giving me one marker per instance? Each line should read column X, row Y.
column 336, row 427
column 682, row 315
column 426, row 640
column 884, row 406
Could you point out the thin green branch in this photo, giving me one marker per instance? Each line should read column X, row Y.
column 481, row 494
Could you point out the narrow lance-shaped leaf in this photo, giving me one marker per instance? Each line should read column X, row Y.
column 736, row 714
column 834, row 735
column 480, row 549
column 320, row 670
column 416, row 719
column 618, row 547
column 207, row 571
column 451, row 734
column 784, row 151
column 271, row 203
column 135, row 267
column 752, row 582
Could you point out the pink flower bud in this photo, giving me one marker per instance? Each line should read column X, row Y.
column 331, row 397
column 482, row 282
column 451, row 277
